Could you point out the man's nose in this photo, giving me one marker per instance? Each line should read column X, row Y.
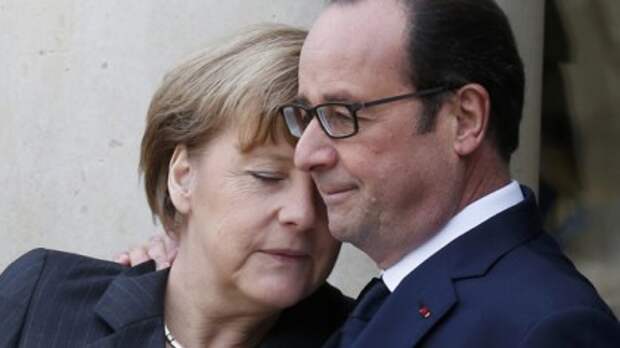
column 314, row 150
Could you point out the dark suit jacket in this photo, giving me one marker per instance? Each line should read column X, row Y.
column 503, row 284
column 54, row 299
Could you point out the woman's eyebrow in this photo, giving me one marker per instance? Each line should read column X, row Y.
column 256, row 156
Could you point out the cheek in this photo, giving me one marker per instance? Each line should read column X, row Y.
column 242, row 227
column 228, row 205
column 229, row 228
column 224, row 246
column 376, row 156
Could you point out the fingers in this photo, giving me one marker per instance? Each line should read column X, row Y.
column 158, row 252
column 171, row 246
column 172, row 253
column 123, row 259
column 138, row 255
column 160, row 248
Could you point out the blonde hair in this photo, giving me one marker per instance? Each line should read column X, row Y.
column 241, row 82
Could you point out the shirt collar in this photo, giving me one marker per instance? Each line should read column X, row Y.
column 471, row 216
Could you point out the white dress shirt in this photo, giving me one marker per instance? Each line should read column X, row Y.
column 473, row 215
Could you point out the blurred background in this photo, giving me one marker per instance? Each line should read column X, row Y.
column 580, row 137
column 76, row 77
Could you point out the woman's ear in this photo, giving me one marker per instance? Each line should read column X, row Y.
column 180, row 179
column 473, row 109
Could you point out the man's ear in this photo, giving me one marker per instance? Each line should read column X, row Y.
column 180, row 179
column 472, row 116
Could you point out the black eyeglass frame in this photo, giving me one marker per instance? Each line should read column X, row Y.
column 354, row 107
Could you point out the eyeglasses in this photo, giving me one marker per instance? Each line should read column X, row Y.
column 339, row 119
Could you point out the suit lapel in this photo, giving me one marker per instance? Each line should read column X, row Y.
column 399, row 322
column 133, row 307
column 428, row 293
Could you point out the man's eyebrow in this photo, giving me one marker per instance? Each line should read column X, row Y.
column 330, row 97
column 301, row 100
column 338, row 97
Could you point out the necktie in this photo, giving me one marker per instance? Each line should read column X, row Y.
column 368, row 304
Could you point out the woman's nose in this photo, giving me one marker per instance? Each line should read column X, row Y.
column 299, row 210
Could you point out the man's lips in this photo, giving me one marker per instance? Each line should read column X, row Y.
column 335, row 194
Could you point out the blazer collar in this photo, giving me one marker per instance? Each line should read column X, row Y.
column 427, row 294
column 133, row 307
column 476, row 251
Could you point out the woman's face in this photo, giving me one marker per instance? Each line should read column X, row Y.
column 256, row 229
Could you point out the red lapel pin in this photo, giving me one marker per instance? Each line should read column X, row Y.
column 424, row 312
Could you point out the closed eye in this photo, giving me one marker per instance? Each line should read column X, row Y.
column 265, row 176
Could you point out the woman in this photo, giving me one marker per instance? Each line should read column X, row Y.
column 253, row 246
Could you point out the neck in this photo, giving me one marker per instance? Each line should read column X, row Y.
column 200, row 314
column 484, row 173
column 479, row 175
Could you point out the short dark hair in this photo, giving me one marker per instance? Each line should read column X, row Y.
column 455, row 42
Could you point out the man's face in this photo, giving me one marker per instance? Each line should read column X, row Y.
column 388, row 188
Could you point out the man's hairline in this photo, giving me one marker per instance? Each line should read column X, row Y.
column 405, row 73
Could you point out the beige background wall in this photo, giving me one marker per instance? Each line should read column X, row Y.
column 75, row 80
column 581, row 136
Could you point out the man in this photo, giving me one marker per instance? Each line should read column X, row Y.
column 408, row 114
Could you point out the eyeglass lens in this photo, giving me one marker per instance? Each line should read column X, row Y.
column 336, row 119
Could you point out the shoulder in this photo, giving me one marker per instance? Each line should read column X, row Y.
column 512, row 254
column 48, row 293
column 40, row 283
column 42, row 270
column 540, row 271
column 579, row 326
column 22, row 274
column 568, row 307
column 535, row 293
column 40, row 274
column 46, row 263
column 17, row 283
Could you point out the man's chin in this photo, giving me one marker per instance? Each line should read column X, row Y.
column 343, row 230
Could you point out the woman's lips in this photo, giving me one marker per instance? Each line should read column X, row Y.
column 287, row 254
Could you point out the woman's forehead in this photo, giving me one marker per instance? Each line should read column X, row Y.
column 280, row 152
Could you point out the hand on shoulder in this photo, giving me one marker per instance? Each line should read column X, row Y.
column 160, row 248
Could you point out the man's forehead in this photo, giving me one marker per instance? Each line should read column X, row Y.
column 348, row 49
column 331, row 77
column 335, row 23
column 366, row 23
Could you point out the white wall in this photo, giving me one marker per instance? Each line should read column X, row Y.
column 75, row 80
